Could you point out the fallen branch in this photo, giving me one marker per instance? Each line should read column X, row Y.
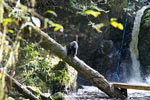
column 26, row 93
column 92, row 75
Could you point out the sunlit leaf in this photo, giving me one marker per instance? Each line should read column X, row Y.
column 11, row 31
column 114, row 24
column 57, row 27
column 51, row 12
column 98, row 29
column 120, row 26
column 6, row 21
column 92, row 12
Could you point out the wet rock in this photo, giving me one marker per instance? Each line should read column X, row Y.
column 105, row 58
column 72, row 86
column 144, row 41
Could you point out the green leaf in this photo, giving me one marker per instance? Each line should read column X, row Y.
column 51, row 12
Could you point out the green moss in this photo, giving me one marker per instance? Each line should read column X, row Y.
column 144, row 40
column 60, row 76
column 39, row 69
column 58, row 96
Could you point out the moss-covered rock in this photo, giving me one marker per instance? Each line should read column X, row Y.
column 40, row 69
column 65, row 78
column 144, row 41
column 58, row 96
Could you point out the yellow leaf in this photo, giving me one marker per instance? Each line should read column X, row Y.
column 92, row 12
column 6, row 21
column 51, row 12
column 11, row 31
column 114, row 24
column 120, row 26
column 97, row 29
column 57, row 27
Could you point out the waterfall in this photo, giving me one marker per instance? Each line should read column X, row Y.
column 135, row 70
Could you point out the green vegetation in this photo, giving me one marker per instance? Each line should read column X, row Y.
column 38, row 68
column 58, row 96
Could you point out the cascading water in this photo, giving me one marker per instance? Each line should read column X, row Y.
column 135, row 71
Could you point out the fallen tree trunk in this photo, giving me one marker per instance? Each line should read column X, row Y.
column 92, row 75
column 23, row 90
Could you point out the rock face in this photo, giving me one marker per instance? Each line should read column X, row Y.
column 105, row 57
column 72, row 86
column 144, row 42
column 99, row 50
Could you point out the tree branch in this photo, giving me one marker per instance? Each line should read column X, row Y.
column 26, row 93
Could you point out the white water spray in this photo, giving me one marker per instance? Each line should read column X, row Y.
column 135, row 71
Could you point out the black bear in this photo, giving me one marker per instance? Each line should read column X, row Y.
column 72, row 49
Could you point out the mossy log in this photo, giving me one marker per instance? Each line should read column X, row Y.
column 26, row 93
column 23, row 90
column 92, row 75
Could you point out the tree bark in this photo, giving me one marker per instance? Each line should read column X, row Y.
column 26, row 93
column 92, row 75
